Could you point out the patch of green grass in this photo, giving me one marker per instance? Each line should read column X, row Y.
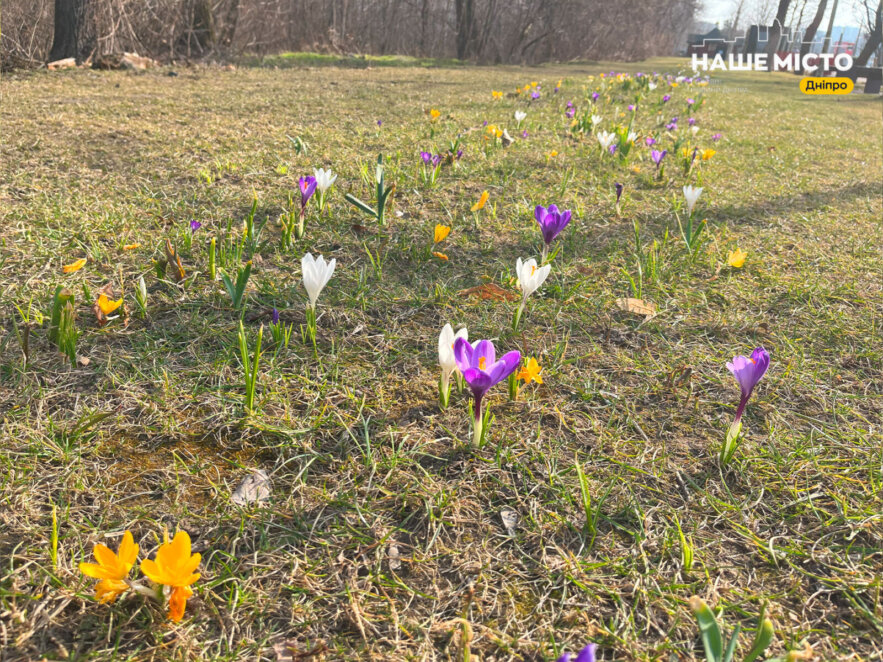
column 384, row 533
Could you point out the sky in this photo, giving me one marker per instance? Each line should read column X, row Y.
column 718, row 11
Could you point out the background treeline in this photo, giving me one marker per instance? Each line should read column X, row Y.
column 491, row 31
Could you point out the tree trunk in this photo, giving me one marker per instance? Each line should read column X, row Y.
column 874, row 39
column 810, row 35
column 465, row 26
column 827, row 44
column 775, row 33
column 73, row 36
column 202, row 26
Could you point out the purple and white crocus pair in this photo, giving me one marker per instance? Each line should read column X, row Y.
column 481, row 371
column 748, row 371
column 552, row 222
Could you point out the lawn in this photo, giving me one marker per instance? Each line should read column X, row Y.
column 386, row 535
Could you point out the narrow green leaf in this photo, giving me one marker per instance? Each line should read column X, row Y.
column 709, row 630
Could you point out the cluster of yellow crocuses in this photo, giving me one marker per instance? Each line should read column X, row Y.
column 173, row 571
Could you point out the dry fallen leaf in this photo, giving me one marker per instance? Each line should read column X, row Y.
column 254, row 488
column 290, row 651
column 174, row 261
column 637, row 306
column 395, row 558
column 510, row 520
column 506, row 139
column 489, row 292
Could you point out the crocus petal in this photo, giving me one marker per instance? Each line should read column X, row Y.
column 463, row 352
column 479, row 382
column 505, row 366
column 587, row 654
column 484, row 349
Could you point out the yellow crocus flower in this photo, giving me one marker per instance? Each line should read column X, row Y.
column 737, row 258
column 530, row 372
column 112, row 569
column 75, row 266
column 482, row 201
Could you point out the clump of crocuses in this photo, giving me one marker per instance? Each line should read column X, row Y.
column 481, row 372
column 552, row 222
column 748, row 371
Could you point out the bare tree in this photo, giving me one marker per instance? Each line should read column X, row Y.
column 775, row 33
column 874, row 38
column 810, row 35
column 72, row 36
column 480, row 30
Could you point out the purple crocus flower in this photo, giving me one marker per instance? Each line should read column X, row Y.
column 748, row 371
column 657, row 156
column 618, row 188
column 570, row 104
column 570, row 112
column 673, row 126
column 307, row 188
column 717, row 136
column 631, row 106
column 436, row 159
column 426, row 157
column 195, row 225
column 379, row 122
column 690, row 102
column 524, row 134
column 534, row 95
column 650, row 140
column 481, row 371
column 275, row 316
column 459, row 154
column 552, row 222
column 595, row 96
column 587, row 654
column 666, row 98
column 691, row 121
column 612, row 149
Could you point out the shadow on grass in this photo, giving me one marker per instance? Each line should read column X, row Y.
column 799, row 202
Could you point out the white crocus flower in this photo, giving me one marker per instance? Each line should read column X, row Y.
column 446, row 360
column 596, row 120
column 631, row 137
column 691, row 195
column 316, row 274
column 519, row 116
column 606, row 139
column 446, row 348
column 651, row 86
column 694, row 129
column 324, row 179
column 530, row 276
